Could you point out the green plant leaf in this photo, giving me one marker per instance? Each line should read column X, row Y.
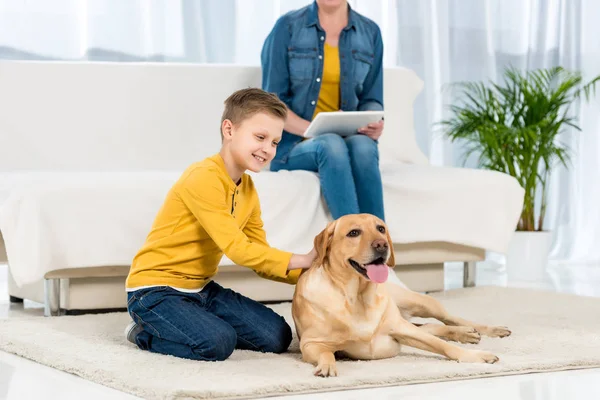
column 514, row 126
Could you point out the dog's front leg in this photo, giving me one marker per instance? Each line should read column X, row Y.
column 408, row 334
column 321, row 356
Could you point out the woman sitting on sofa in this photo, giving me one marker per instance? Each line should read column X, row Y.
column 327, row 57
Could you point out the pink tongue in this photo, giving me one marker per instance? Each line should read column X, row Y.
column 378, row 272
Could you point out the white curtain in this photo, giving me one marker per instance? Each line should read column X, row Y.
column 444, row 41
column 458, row 40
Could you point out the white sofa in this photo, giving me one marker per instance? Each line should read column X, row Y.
column 88, row 151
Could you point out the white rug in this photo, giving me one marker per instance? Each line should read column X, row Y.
column 549, row 332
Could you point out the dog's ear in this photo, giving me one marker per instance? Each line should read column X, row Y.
column 322, row 242
column 392, row 260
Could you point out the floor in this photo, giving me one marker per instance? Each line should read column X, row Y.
column 16, row 374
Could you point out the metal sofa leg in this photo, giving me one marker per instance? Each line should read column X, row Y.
column 469, row 273
column 52, row 297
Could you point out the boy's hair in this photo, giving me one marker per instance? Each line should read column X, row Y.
column 244, row 103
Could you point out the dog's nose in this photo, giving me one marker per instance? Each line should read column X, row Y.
column 380, row 245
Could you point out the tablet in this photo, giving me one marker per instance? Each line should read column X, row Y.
column 344, row 123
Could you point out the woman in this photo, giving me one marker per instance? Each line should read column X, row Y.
column 327, row 57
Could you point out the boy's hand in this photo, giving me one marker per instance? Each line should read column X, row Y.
column 302, row 261
column 312, row 256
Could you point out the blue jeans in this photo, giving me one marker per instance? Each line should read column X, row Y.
column 348, row 170
column 205, row 326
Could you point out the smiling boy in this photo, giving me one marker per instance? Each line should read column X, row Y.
column 211, row 211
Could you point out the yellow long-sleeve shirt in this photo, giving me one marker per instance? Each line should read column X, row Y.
column 205, row 215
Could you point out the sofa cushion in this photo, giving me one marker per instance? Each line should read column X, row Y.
column 72, row 220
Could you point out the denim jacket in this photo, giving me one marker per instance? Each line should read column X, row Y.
column 292, row 66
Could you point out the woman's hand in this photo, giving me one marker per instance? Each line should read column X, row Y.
column 373, row 130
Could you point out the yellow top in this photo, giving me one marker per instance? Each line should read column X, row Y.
column 329, row 95
column 205, row 215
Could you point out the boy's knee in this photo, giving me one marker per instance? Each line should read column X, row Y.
column 218, row 347
column 278, row 338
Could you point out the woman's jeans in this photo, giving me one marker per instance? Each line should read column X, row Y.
column 348, row 170
column 205, row 326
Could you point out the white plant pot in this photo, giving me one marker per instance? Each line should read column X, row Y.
column 527, row 258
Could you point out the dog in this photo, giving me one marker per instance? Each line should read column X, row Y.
column 344, row 304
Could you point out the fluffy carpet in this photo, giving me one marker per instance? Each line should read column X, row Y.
column 550, row 332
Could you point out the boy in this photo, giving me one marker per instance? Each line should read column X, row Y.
column 213, row 209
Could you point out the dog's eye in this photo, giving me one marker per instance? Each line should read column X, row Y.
column 381, row 229
column 353, row 233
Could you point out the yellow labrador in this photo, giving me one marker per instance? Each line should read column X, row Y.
column 344, row 304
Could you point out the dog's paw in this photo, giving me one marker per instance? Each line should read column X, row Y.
column 476, row 356
column 495, row 331
column 466, row 334
column 326, row 370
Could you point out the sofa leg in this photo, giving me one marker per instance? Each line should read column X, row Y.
column 15, row 300
column 469, row 272
column 52, row 297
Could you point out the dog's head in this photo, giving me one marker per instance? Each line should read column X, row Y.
column 358, row 244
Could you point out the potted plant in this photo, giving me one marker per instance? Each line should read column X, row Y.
column 515, row 128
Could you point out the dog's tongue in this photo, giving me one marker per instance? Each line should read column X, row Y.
column 377, row 272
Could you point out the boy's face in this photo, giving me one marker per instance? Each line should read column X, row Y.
column 253, row 142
